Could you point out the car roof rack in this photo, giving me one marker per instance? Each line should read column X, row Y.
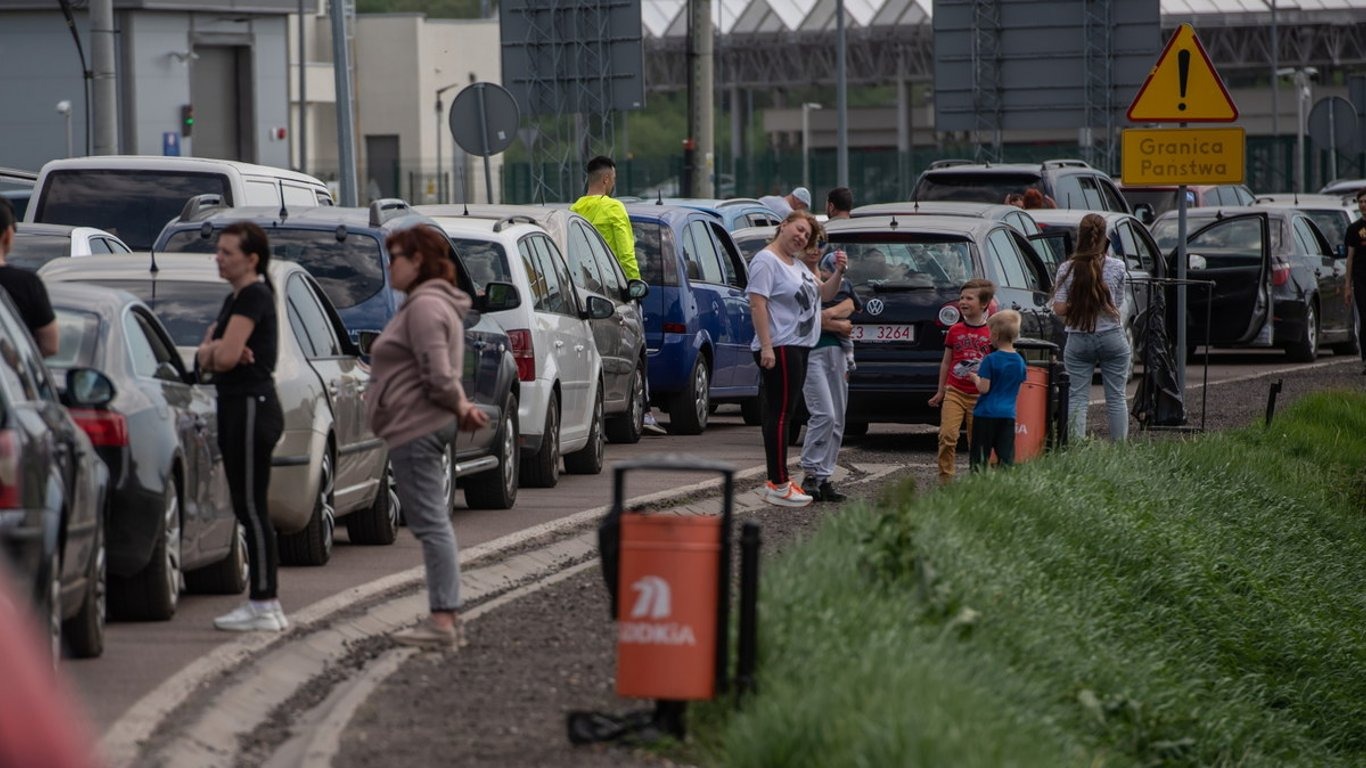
column 1065, row 163
column 201, row 203
column 387, row 208
column 949, row 163
column 516, row 218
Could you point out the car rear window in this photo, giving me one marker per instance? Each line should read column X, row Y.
column 649, row 256
column 186, row 308
column 974, row 187
column 1332, row 223
column 349, row 271
column 1161, row 200
column 486, row 261
column 134, row 205
column 879, row 263
column 77, row 334
column 33, row 251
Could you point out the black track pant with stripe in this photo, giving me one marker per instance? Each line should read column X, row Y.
column 249, row 426
column 782, row 385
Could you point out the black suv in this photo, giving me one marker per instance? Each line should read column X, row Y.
column 343, row 249
column 1070, row 183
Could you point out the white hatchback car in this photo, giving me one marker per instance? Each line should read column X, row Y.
column 561, row 408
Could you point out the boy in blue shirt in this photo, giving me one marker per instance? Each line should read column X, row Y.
column 998, row 379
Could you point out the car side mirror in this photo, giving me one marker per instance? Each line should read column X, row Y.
column 499, row 296
column 366, row 341
column 1340, row 251
column 1144, row 213
column 599, row 309
column 637, row 289
column 1195, row 261
column 167, row 372
column 87, row 388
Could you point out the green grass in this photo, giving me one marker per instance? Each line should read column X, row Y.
column 1179, row 603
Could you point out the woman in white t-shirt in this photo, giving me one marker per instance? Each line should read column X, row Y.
column 785, row 301
column 1090, row 298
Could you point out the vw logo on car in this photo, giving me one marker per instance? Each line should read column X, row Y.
column 874, row 306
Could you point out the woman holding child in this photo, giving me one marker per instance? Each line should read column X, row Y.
column 1090, row 297
column 784, row 300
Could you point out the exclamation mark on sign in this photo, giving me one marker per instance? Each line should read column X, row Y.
column 1183, row 70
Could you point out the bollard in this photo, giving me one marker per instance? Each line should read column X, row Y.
column 749, row 609
column 1271, row 400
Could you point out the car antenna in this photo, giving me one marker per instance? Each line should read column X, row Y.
column 659, row 197
column 284, row 212
column 893, row 223
column 467, row 208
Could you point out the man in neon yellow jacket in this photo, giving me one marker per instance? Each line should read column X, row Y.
column 608, row 215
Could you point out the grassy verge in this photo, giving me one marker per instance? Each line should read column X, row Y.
column 1179, row 603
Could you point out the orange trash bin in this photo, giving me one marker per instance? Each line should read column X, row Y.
column 667, row 611
column 1034, row 407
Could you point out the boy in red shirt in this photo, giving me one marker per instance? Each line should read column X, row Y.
column 967, row 342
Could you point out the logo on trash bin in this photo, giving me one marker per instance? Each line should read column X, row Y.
column 654, row 601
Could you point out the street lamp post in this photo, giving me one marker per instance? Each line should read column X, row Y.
column 64, row 109
column 1303, row 77
column 440, row 112
column 806, row 142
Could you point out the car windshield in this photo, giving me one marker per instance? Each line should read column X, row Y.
column 879, row 263
column 134, row 205
column 1332, row 223
column 1161, row 200
column 33, row 251
column 484, row 260
column 185, row 308
column 974, row 187
column 77, row 335
column 349, row 271
column 649, row 244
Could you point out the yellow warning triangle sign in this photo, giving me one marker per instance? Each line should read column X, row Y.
column 1183, row 86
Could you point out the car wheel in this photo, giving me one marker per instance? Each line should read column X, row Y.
column 498, row 489
column 588, row 460
column 689, row 410
column 85, row 631
column 542, row 469
column 153, row 593
column 447, row 480
column 377, row 525
column 313, row 545
column 54, row 606
column 1352, row 345
column 627, row 427
column 1306, row 349
column 227, row 576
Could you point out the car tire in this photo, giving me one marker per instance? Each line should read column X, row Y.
column 377, row 525
column 313, row 545
column 628, row 427
column 1306, row 349
column 542, row 469
column 54, row 607
column 153, row 593
column 497, row 489
column 589, row 459
column 448, row 484
column 227, row 576
column 752, row 409
column 1352, row 345
column 84, row 632
column 689, row 409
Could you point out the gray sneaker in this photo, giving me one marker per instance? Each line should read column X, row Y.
column 429, row 635
column 245, row 618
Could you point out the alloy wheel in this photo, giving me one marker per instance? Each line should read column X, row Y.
column 447, row 478
column 326, row 485
column 54, row 607
column 395, row 506
column 243, row 564
column 173, row 558
column 703, row 395
column 508, row 455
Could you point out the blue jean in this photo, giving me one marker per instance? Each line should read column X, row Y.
column 1084, row 352
column 418, row 480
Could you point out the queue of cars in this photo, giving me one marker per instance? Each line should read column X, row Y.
column 112, row 493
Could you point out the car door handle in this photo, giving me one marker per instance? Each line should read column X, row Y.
column 332, row 389
column 199, row 424
column 578, row 347
column 1015, row 305
column 361, row 388
column 559, row 344
column 479, row 344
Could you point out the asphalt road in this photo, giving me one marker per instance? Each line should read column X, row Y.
column 139, row 656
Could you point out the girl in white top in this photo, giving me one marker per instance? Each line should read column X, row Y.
column 785, row 301
column 1090, row 297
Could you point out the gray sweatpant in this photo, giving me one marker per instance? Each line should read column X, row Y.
column 827, row 395
column 418, row 477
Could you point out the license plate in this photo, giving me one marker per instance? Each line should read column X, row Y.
column 878, row 333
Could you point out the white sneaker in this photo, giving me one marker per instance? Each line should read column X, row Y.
column 652, row 427
column 789, row 495
column 245, row 618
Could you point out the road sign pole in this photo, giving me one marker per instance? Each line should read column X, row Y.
column 1181, row 261
column 484, row 137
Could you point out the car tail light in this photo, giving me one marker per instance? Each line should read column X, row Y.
column 675, row 328
column 1280, row 273
column 524, row 353
column 11, row 496
column 105, row 428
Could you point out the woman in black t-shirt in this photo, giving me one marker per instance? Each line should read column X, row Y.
column 240, row 350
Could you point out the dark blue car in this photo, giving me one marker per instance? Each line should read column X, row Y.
column 697, row 321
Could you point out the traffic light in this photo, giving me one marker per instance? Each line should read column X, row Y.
column 186, row 119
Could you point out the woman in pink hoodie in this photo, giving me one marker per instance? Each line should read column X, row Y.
column 416, row 404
